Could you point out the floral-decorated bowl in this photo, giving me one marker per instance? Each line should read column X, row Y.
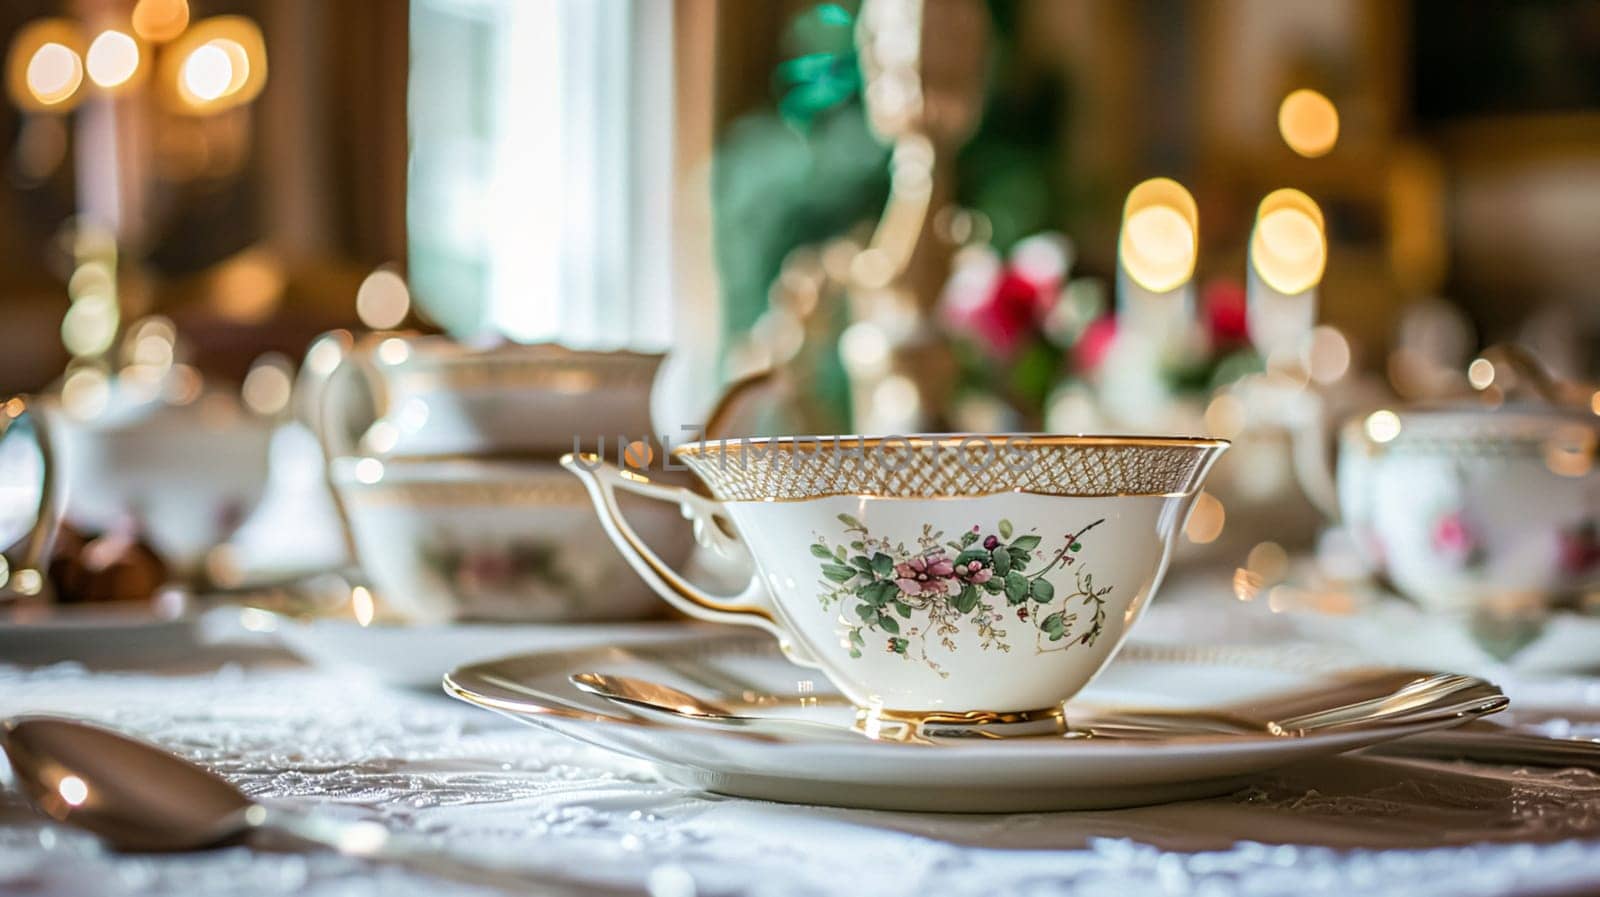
column 1467, row 508
column 964, row 581
column 492, row 540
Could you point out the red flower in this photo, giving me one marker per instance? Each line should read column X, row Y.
column 1094, row 344
column 1009, row 314
column 1580, row 549
column 1224, row 307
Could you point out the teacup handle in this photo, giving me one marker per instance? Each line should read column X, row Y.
column 752, row 606
column 320, row 397
column 35, row 549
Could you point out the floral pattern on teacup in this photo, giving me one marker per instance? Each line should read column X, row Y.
column 1455, row 540
column 533, row 571
column 904, row 596
column 1579, row 548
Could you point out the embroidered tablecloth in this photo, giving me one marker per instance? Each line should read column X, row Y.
column 475, row 784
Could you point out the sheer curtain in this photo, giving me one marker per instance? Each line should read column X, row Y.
column 541, row 185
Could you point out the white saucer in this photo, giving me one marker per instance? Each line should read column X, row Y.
column 980, row 775
column 414, row 656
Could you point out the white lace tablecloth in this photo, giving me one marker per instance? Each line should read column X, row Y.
column 479, row 785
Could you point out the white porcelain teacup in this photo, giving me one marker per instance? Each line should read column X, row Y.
column 958, row 580
column 185, row 475
column 1468, row 507
column 505, row 540
column 29, row 499
column 398, row 395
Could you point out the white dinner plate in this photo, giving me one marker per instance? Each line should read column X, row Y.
column 977, row 775
column 112, row 632
column 415, row 656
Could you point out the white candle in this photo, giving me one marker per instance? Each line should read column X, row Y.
column 1155, row 261
column 1288, row 252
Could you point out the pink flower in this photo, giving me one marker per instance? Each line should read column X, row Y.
column 485, row 569
column 925, row 575
column 1453, row 538
column 974, row 572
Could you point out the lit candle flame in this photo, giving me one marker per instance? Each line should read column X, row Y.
column 1288, row 247
column 1160, row 235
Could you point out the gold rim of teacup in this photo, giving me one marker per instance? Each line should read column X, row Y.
column 951, row 466
column 498, row 482
column 1478, row 434
column 432, row 362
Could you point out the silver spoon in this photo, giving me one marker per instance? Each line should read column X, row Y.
column 138, row 797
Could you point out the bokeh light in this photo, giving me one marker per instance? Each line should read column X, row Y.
column 183, row 385
column 113, row 59
column 1288, row 248
column 1268, row 561
column 54, row 73
column 207, row 72
column 1309, row 123
column 90, row 325
column 1327, row 355
column 44, row 66
column 369, row 470
column 1480, row 373
column 394, row 351
column 268, row 385
column 158, row 21
column 218, row 63
column 383, row 300
column 1206, row 520
column 864, row 348
column 27, row 581
column 72, row 790
column 362, row 605
column 86, row 392
column 1383, row 426
column 1160, row 235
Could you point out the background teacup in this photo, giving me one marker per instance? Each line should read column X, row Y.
column 1471, row 508
column 393, row 395
column 984, row 578
column 441, row 460
column 493, row 540
column 29, row 500
column 183, row 477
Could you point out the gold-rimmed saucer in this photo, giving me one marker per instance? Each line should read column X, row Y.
column 957, row 775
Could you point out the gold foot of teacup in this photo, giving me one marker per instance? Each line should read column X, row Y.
column 912, row 726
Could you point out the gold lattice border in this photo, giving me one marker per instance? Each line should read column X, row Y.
column 950, row 467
